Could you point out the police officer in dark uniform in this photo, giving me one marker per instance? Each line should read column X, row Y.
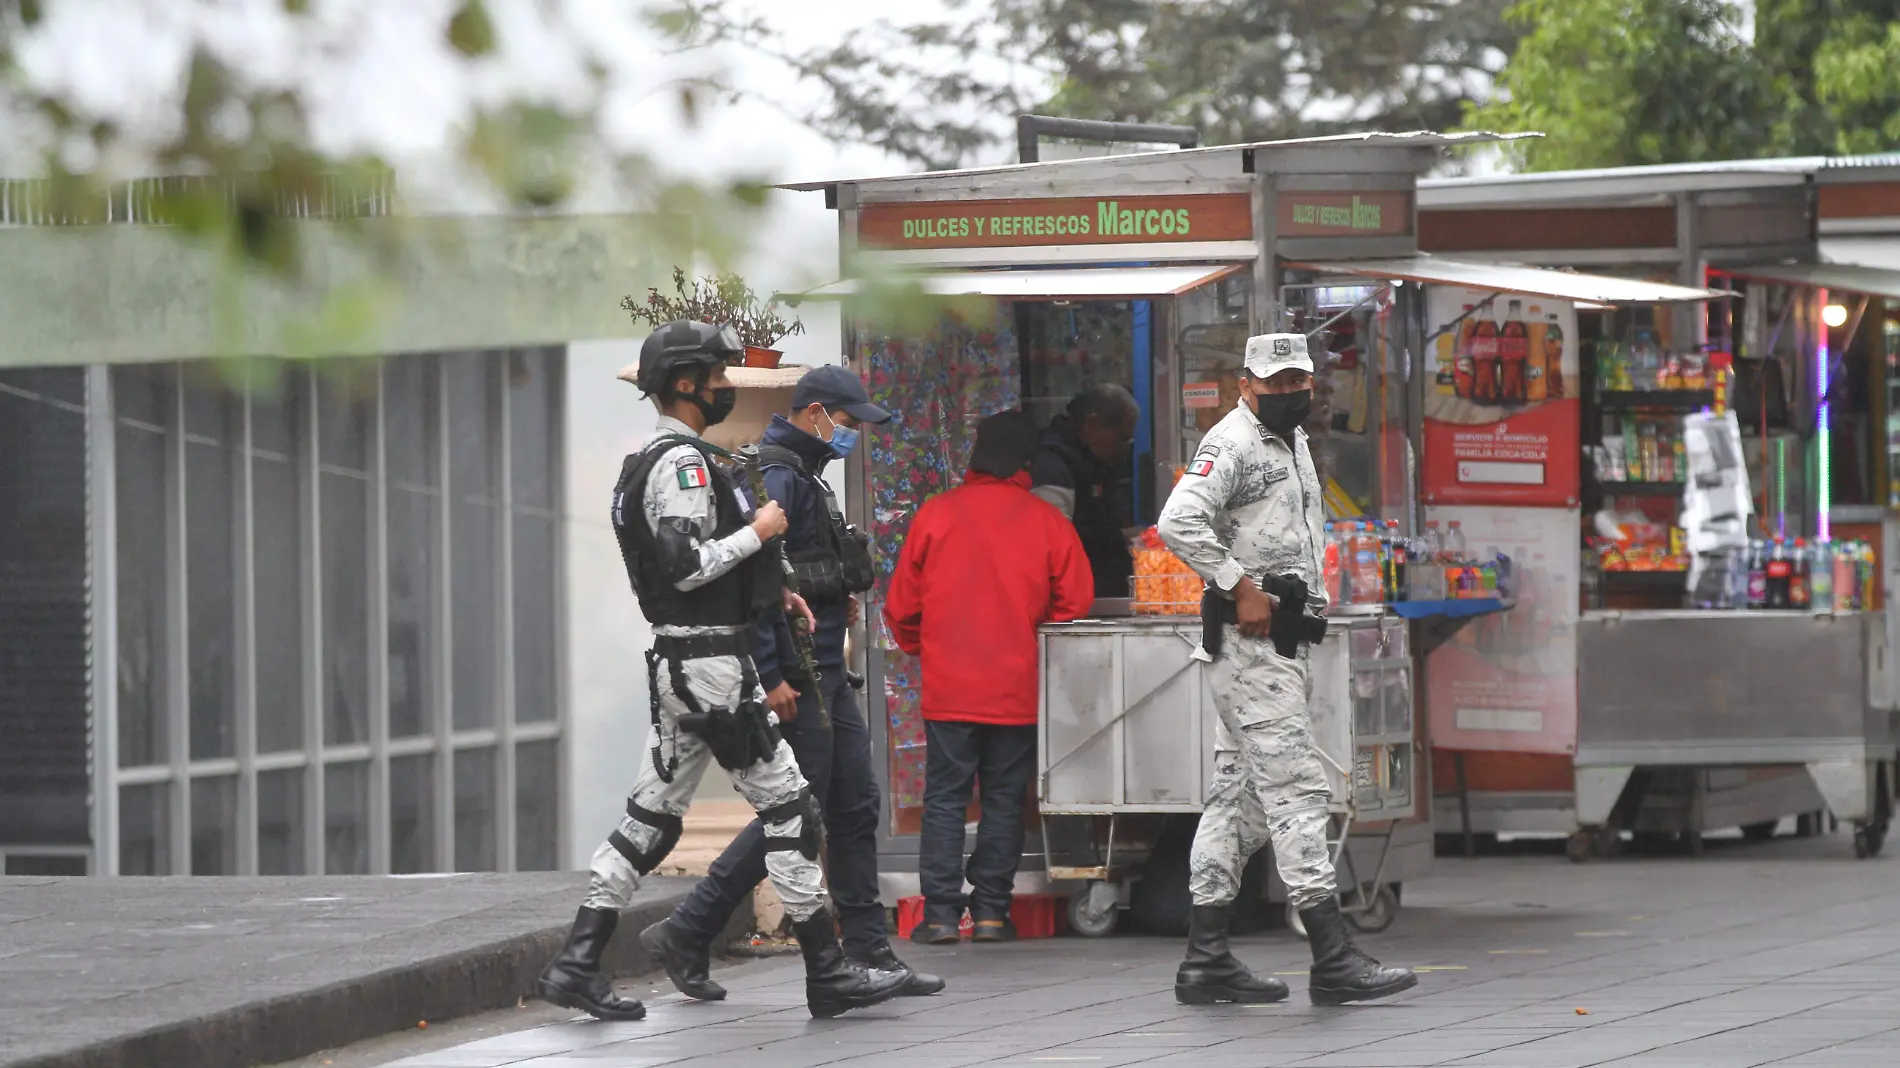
column 1078, row 468
column 833, row 744
column 705, row 567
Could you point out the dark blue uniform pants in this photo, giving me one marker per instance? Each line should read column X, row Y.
column 837, row 764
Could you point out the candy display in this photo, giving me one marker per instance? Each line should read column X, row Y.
column 938, row 383
column 1163, row 585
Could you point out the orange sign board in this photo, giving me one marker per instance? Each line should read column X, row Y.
column 1057, row 221
column 1381, row 213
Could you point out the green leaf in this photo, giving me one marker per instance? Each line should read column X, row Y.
column 470, row 31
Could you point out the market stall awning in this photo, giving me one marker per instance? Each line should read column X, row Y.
column 1850, row 277
column 1511, row 278
column 1079, row 283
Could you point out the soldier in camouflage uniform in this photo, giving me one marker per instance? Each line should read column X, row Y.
column 1246, row 514
column 704, row 567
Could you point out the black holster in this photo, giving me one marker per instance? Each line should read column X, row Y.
column 1291, row 624
column 738, row 737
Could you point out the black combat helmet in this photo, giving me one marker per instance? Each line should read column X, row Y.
column 683, row 346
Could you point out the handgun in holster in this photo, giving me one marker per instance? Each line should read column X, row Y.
column 1291, row 624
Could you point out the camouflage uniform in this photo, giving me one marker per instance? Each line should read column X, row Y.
column 1250, row 504
column 678, row 488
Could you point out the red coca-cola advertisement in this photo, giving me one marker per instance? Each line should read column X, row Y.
column 1501, row 411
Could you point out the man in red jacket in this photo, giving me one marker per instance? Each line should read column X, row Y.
column 982, row 567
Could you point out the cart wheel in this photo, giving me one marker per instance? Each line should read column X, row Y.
column 1581, row 846
column 1382, row 909
column 1092, row 924
column 1294, row 923
column 1868, row 838
column 1761, row 832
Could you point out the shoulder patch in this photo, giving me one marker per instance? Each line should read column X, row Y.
column 691, row 470
column 1203, row 463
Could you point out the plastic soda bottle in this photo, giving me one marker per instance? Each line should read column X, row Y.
column 1757, row 574
column 1846, row 584
column 1396, row 559
column 1798, row 578
column 1329, row 563
column 1780, row 572
column 1821, row 578
column 1456, row 581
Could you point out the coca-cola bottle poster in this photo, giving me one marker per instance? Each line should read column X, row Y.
column 1501, row 410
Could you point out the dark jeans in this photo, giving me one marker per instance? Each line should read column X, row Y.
column 837, row 764
column 959, row 755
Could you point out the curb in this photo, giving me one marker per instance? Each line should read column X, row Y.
column 493, row 976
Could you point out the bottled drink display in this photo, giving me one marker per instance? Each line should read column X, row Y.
column 1827, row 576
column 1639, row 364
column 1642, row 449
column 1367, row 561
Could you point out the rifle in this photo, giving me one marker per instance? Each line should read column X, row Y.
column 801, row 627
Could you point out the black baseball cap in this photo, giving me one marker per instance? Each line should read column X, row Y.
column 837, row 388
column 1005, row 444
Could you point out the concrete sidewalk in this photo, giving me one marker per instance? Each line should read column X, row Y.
column 1786, row 954
column 230, row 972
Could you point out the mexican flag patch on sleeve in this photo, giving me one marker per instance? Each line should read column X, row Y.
column 1202, row 466
column 692, row 474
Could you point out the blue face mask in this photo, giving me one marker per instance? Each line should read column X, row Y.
column 843, row 439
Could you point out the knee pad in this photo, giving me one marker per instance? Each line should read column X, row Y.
column 810, row 841
column 667, row 829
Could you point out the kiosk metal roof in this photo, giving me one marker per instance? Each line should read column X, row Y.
column 1854, row 278
column 1083, row 283
column 1511, row 278
column 1135, row 161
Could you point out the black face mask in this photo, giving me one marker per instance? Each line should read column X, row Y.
column 725, row 399
column 1283, row 413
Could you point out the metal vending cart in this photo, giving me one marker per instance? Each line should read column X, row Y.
column 1022, row 284
column 1129, row 729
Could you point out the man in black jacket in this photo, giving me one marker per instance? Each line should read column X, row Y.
column 1078, row 469
column 833, row 745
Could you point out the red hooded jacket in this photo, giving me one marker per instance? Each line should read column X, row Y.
column 982, row 567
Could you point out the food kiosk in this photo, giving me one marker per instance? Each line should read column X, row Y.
column 1697, row 709
column 1025, row 284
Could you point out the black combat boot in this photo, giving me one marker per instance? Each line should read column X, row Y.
column 1341, row 973
column 833, row 984
column 688, row 961
column 1210, row 974
column 884, row 959
column 573, row 979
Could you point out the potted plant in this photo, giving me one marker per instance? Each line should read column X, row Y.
column 722, row 300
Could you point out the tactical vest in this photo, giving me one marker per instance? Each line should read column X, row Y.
column 734, row 599
column 840, row 564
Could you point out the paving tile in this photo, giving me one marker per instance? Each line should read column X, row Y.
column 1715, row 968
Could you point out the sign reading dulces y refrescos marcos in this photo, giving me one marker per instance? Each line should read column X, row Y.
column 1128, row 220
column 1381, row 213
column 1057, row 221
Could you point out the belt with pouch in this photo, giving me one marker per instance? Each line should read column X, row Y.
column 702, row 646
column 1290, row 625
